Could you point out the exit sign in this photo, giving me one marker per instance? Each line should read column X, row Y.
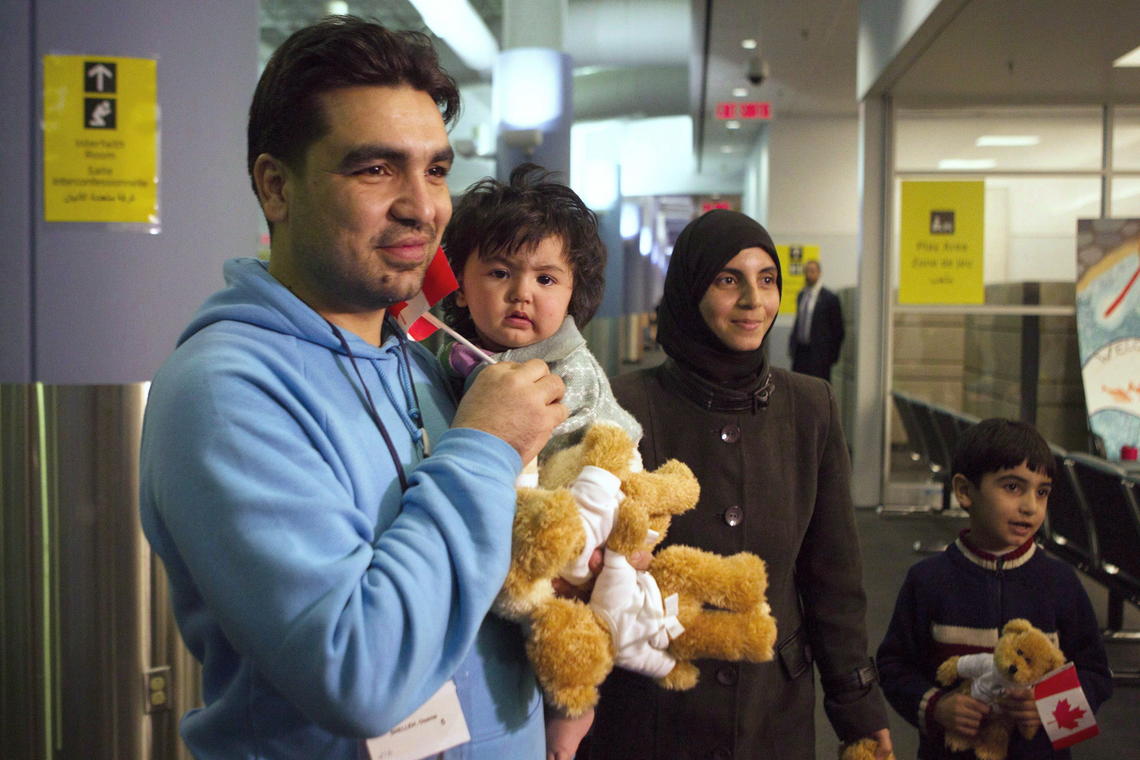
column 753, row 110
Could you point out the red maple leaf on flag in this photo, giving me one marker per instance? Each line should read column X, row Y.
column 1066, row 716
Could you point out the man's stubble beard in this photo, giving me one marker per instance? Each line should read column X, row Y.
column 360, row 287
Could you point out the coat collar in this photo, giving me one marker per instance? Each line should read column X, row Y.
column 713, row 397
column 1007, row 561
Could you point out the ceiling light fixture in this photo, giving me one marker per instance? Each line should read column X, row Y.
column 749, row 44
column 336, row 8
column 732, row 124
column 456, row 23
column 1007, row 141
column 1131, row 59
column 966, row 164
column 740, row 92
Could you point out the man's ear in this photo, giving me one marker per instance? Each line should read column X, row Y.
column 270, row 176
column 963, row 490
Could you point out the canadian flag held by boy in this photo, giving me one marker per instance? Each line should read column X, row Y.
column 1063, row 708
column 438, row 282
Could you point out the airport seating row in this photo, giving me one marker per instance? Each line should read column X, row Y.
column 1093, row 519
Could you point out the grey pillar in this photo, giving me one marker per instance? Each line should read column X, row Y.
column 532, row 88
column 91, row 665
column 867, row 432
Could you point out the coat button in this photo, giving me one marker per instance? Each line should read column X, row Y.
column 733, row 516
column 726, row 676
column 730, row 433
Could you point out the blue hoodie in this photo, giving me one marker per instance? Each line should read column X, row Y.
column 324, row 605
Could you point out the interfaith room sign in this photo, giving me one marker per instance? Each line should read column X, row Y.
column 100, row 125
column 792, row 260
column 1108, row 328
column 941, row 242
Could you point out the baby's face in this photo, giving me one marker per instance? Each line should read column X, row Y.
column 517, row 300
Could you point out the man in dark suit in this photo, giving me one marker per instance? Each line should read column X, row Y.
column 818, row 331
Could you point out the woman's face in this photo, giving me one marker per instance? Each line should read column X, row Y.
column 742, row 300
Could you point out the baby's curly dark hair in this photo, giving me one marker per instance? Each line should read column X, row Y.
column 493, row 218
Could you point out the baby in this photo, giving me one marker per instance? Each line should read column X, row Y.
column 530, row 268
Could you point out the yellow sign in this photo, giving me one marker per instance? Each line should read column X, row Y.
column 100, row 139
column 940, row 248
column 792, row 260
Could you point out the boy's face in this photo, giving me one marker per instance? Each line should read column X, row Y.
column 517, row 300
column 1006, row 508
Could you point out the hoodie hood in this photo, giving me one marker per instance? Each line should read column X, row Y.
column 253, row 296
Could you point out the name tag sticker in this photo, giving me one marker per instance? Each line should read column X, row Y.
column 436, row 726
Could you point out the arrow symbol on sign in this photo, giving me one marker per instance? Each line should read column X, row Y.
column 100, row 72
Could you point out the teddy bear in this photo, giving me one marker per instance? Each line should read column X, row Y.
column 691, row 604
column 1023, row 655
column 863, row 749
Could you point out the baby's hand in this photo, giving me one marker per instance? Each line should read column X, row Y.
column 566, row 590
column 1020, row 705
column 960, row 713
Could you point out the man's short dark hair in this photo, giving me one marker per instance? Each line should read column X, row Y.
column 1001, row 444
column 285, row 117
column 497, row 219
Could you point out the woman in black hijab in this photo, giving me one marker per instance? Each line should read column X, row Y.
column 768, row 450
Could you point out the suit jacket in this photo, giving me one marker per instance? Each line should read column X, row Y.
column 826, row 337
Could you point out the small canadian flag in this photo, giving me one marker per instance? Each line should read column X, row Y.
column 413, row 315
column 1063, row 708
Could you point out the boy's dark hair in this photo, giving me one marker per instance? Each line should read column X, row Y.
column 1000, row 444
column 285, row 117
column 493, row 218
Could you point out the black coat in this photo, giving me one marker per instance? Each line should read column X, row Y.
column 775, row 481
column 825, row 338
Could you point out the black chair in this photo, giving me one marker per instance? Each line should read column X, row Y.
column 904, row 405
column 1110, row 495
column 1067, row 531
column 1111, row 498
column 942, row 435
column 932, row 437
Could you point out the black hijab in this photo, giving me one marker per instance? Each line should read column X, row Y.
column 702, row 249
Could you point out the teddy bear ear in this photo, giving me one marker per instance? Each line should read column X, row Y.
column 1017, row 625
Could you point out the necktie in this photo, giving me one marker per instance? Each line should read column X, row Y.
column 803, row 317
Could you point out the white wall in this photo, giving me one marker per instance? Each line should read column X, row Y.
column 813, row 191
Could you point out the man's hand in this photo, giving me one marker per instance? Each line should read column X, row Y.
column 520, row 403
column 563, row 735
column 960, row 713
column 885, row 749
column 1022, row 707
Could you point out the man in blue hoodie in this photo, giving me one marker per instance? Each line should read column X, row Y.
column 334, row 528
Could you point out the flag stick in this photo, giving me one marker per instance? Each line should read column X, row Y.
column 446, row 328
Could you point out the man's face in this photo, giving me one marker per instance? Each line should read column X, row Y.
column 363, row 216
column 811, row 273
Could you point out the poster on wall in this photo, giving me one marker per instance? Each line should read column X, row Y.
column 940, row 243
column 100, row 128
column 792, row 260
column 1108, row 328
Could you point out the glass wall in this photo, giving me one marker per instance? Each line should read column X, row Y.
column 1012, row 351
